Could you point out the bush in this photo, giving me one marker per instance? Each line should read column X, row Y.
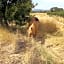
column 58, row 13
column 15, row 9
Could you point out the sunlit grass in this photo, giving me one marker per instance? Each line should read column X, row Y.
column 25, row 50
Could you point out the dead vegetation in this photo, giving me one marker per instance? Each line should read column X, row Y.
column 47, row 48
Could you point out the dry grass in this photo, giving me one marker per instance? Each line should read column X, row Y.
column 19, row 49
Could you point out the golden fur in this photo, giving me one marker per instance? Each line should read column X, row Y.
column 33, row 28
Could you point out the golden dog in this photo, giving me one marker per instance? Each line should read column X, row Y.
column 33, row 28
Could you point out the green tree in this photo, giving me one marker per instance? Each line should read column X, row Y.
column 15, row 9
column 54, row 9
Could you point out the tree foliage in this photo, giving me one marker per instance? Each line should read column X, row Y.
column 54, row 9
column 15, row 9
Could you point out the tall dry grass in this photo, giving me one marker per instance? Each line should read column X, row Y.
column 19, row 49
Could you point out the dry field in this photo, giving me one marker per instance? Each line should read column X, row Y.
column 47, row 48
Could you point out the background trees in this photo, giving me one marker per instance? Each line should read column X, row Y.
column 54, row 9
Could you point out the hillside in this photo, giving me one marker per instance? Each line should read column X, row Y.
column 47, row 48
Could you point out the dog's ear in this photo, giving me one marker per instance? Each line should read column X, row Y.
column 36, row 19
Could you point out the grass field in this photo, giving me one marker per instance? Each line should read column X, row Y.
column 19, row 49
column 58, row 13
